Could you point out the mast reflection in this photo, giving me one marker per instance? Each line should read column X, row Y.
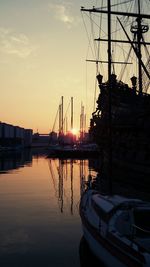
column 68, row 177
column 71, row 187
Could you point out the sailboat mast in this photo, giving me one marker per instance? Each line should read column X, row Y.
column 71, row 112
column 139, row 36
column 109, row 41
column 62, row 114
column 110, row 96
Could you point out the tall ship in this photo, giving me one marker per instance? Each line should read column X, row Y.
column 120, row 123
column 114, row 226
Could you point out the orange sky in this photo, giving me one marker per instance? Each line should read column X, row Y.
column 42, row 54
column 43, row 50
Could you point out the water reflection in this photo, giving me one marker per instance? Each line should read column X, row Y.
column 128, row 185
column 15, row 160
column 39, row 222
column 64, row 175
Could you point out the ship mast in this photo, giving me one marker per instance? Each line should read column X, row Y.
column 62, row 114
column 139, row 36
column 109, row 41
column 109, row 99
column 71, row 113
column 138, row 29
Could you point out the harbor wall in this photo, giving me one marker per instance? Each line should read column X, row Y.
column 12, row 136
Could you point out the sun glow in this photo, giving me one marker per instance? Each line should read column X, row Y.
column 75, row 131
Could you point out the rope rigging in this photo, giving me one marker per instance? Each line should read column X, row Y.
column 120, row 50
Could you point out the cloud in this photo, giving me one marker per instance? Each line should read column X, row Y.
column 62, row 13
column 13, row 43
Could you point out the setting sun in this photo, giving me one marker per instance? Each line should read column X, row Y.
column 74, row 131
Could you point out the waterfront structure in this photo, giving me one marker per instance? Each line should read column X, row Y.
column 13, row 136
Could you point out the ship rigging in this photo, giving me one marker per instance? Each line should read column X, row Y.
column 120, row 123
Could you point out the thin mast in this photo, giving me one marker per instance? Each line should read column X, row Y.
column 82, row 122
column 62, row 114
column 109, row 85
column 135, row 50
column 60, row 120
column 109, row 41
column 71, row 112
column 139, row 35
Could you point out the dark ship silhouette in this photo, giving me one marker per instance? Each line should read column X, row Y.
column 114, row 225
column 120, row 125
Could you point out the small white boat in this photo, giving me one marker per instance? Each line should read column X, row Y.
column 116, row 228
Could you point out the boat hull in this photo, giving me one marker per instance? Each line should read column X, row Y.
column 107, row 229
column 100, row 252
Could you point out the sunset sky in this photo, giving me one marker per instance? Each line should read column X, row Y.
column 43, row 46
column 43, row 49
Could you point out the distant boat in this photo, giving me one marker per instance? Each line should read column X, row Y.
column 74, row 151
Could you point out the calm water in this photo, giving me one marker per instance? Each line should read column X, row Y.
column 39, row 217
column 39, row 210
